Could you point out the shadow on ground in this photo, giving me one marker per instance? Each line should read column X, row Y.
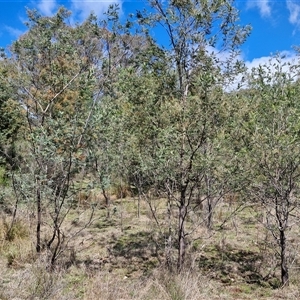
column 231, row 265
column 140, row 245
column 139, row 251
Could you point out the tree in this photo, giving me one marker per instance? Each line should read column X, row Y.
column 55, row 84
column 121, row 51
column 159, row 110
column 11, row 116
column 175, row 102
column 270, row 128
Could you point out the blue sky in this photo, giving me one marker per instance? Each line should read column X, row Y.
column 276, row 23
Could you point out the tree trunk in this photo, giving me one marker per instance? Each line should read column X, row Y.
column 107, row 202
column 15, row 209
column 139, row 206
column 39, row 219
column 209, row 204
column 56, row 249
column 168, row 249
column 210, row 213
column 181, row 235
column 283, row 257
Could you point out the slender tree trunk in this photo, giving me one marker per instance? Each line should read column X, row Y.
column 39, row 218
column 139, row 206
column 56, row 249
column 122, row 206
column 210, row 213
column 15, row 209
column 283, row 258
column 209, row 204
column 107, row 202
column 168, row 249
column 140, row 193
column 181, row 233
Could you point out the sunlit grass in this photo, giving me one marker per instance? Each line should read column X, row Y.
column 122, row 257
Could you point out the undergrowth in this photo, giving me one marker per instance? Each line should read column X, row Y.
column 124, row 259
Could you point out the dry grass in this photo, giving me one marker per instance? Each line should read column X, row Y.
column 123, row 258
column 160, row 285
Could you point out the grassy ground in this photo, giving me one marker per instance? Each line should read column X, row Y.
column 122, row 257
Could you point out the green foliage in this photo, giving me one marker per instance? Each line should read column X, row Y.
column 55, row 87
column 8, row 107
column 105, row 102
column 11, row 118
column 162, row 122
column 3, row 178
column 273, row 131
column 270, row 131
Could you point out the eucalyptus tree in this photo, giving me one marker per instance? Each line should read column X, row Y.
column 270, row 130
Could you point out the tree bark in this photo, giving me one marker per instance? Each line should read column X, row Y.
column 210, row 213
column 168, row 249
column 39, row 219
column 181, row 234
column 283, row 257
column 107, row 202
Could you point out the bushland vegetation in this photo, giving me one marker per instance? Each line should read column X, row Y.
column 135, row 170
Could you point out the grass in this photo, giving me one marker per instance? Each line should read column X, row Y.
column 122, row 257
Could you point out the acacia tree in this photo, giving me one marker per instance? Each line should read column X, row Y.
column 55, row 83
column 11, row 121
column 176, row 102
column 11, row 117
column 270, row 128
column 120, row 51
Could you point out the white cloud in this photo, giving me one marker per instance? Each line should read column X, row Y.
column 80, row 9
column 294, row 10
column 47, row 7
column 84, row 8
column 287, row 60
column 263, row 6
column 15, row 32
column 287, row 57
